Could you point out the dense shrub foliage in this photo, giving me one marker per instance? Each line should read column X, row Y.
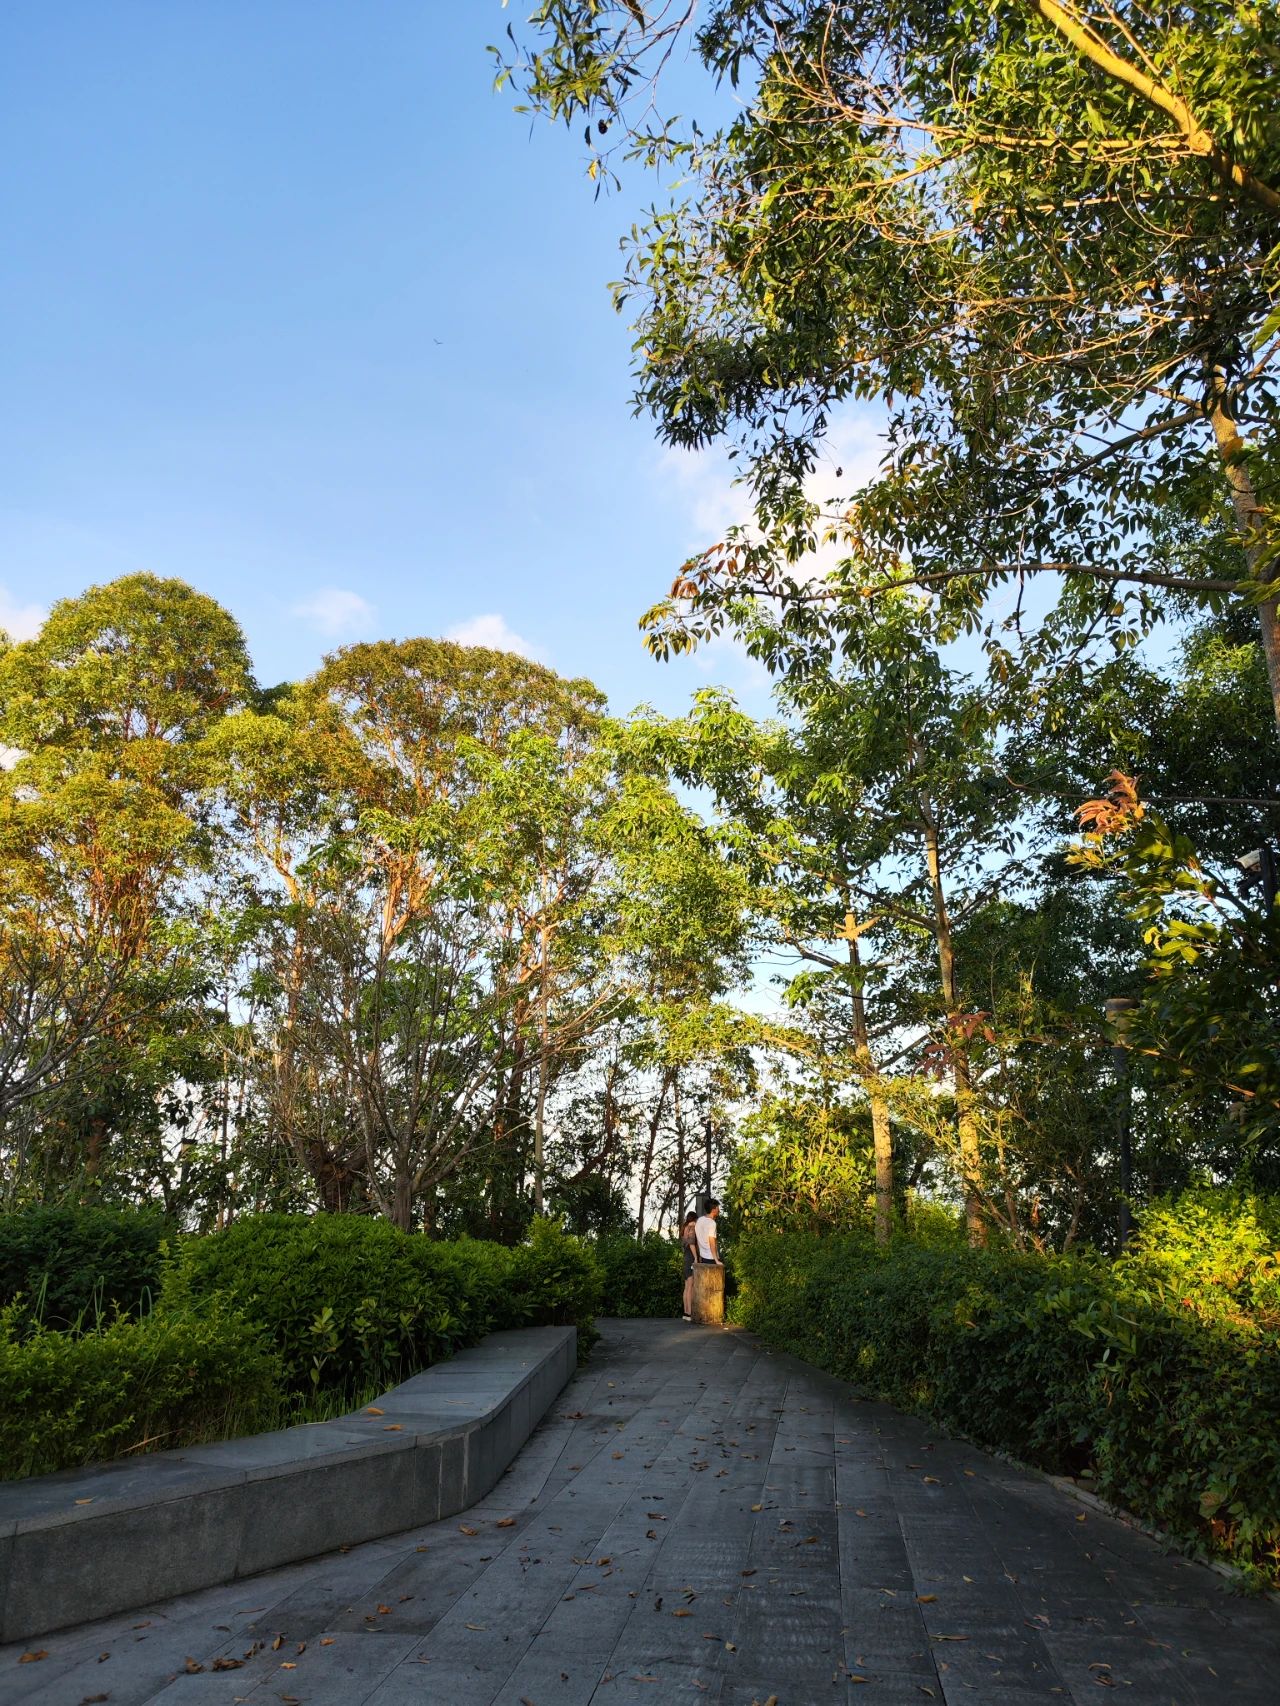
column 640, row 1276
column 645, row 1276
column 275, row 1308
column 168, row 1380
column 349, row 1300
column 1159, row 1372
column 63, row 1267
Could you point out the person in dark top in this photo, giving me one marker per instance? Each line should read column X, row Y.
column 689, row 1243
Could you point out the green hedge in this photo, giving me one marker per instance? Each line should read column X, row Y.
column 1159, row 1373
column 645, row 1276
column 640, row 1276
column 167, row 1380
column 70, row 1267
column 349, row 1301
column 274, row 1320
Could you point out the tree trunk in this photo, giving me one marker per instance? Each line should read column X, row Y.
column 650, row 1153
column 1250, row 518
column 544, row 1046
column 680, row 1199
column 402, row 1202
column 335, row 1180
column 508, row 1118
column 966, row 1123
column 881, row 1127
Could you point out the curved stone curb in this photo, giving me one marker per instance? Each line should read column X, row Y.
column 88, row 1543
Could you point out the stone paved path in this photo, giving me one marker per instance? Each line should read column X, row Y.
column 702, row 1520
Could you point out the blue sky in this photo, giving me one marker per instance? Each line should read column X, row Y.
column 297, row 309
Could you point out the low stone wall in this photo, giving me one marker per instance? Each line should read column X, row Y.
column 92, row 1542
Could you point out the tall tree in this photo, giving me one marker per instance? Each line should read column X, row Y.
column 1045, row 235
column 106, row 819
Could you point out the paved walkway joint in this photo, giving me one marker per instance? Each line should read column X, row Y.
column 700, row 1519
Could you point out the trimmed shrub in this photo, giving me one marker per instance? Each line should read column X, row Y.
column 645, row 1276
column 67, row 1267
column 1159, row 1373
column 641, row 1276
column 167, row 1380
column 348, row 1301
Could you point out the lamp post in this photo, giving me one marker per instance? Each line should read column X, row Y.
column 1261, row 869
column 1118, row 1010
column 707, row 1198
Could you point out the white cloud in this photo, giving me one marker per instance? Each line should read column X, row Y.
column 337, row 613
column 20, row 621
column 703, row 484
column 492, row 631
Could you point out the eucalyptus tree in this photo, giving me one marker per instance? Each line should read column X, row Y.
column 1044, row 235
column 377, row 800
column 107, row 832
column 678, row 934
column 877, row 819
column 542, row 797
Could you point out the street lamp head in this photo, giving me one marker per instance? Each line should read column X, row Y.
column 1117, row 1011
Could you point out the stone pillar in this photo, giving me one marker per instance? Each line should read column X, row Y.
column 708, row 1294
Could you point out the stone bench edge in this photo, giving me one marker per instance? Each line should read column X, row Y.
column 207, row 1519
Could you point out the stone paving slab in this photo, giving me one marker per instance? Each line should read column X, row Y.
column 700, row 1519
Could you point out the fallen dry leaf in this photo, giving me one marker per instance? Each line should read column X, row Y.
column 34, row 1658
column 393, row 1428
column 757, row 1507
column 926, row 1598
column 477, row 1626
column 192, row 1668
column 84, row 1501
column 277, row 1643
column 463, row 1529
column 227, row 1664
column 506, row 1522
column 327, row 1640
column 373, row 1410
column 682, row 1614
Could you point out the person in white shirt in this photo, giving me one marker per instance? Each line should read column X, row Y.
column 705, row 1231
